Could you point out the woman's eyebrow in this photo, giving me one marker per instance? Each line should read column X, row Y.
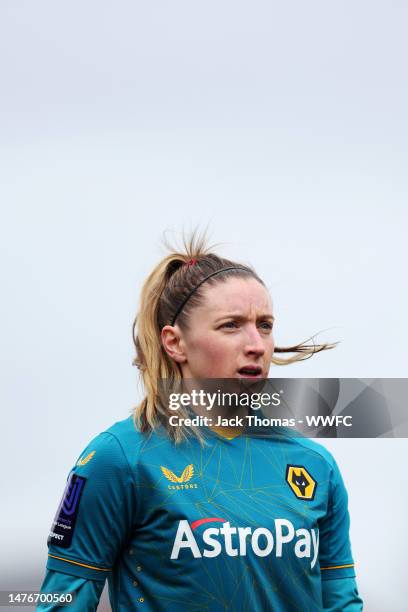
column 240, row 317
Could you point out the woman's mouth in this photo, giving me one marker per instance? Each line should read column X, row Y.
column 250, row 371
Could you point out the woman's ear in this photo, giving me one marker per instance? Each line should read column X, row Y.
column 173, row 344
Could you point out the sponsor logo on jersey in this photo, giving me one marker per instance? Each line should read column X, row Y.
column 301, row 482
column 84, row 460
column 180, row 481
column 240, row 541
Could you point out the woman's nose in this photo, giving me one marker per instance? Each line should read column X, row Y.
column 254, row 343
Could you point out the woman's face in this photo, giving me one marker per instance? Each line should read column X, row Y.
column 229, row 334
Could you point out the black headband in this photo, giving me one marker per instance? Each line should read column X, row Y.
column 188, row 296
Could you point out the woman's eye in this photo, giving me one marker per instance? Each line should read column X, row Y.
column 229, row 325
column 266, row 325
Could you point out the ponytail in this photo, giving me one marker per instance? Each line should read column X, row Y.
column 151, row 358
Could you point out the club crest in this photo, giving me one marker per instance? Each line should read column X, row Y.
column 301, row 482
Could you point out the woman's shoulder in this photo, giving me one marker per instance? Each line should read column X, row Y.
column 119, row 445
column 125, row 432
column 315, row 447
column 323, row 456
column 307, row 450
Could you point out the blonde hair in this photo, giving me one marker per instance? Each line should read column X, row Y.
column 171, row 284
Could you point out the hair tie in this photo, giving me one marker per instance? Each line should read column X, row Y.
column 191, row 262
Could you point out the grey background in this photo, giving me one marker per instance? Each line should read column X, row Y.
column 283, row 126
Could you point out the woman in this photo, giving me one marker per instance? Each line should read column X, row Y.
column 200, row 518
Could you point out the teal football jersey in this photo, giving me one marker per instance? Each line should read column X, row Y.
column 254, row 521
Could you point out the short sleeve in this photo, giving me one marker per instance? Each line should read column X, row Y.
column 95, row 516
column 87, row 592
column 341, row 595
column 335, row 555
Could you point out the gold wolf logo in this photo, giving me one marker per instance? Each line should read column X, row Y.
column 301, row 482
column 187, row 474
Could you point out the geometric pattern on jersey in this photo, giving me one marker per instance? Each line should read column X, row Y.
column 217, row 527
